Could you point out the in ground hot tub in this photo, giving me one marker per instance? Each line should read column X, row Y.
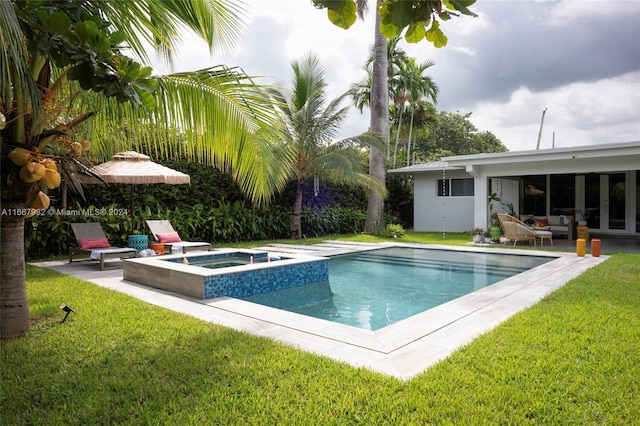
column 226, row 272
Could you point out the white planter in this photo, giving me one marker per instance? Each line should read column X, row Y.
column 477, row 238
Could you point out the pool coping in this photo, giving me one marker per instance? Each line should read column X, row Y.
column 401, row 350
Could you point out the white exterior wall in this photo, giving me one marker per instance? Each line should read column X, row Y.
column 459, row 214
column 440, row 214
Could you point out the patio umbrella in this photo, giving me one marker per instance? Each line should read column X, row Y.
column 133, row 168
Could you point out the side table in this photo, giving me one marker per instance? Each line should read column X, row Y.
column 582, row 233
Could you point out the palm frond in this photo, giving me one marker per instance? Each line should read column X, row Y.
column 217, row 116
column 16, row 83
column 161, row 23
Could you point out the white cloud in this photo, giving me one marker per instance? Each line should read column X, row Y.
column 562, row 13
column 578, row 114
column 578, row 58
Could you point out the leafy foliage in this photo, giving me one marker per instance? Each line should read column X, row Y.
column 418, row 17
column 51, row 235
column 399, row 203
column 392, row 230
column 453, row 134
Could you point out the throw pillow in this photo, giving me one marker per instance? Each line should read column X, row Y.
column 93, row 243
column 169, row 237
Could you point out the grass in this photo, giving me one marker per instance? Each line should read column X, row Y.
column 570, row 359
column 450, row 238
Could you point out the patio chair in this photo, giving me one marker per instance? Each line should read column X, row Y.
column 515, row 230
column 91, row 239
column 164, row 233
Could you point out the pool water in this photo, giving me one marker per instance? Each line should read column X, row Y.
column 377, row 288
column 226, row 260
column 229, row 261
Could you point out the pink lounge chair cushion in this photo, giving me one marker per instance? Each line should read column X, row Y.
column 169, row 237
column 93, row 243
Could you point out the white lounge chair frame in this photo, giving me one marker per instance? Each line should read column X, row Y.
column 164, row 227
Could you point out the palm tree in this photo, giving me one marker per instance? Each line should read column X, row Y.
column 423, row 116
column 395, row 57
column 397, row 19
column 410, row 86
column 310, row 123
column 62, row 68
column 361, row 92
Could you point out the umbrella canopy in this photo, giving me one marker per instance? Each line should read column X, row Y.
column 135, row 168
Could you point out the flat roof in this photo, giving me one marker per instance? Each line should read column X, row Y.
column 607, row 150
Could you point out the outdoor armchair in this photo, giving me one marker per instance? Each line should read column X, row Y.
column 515, row 230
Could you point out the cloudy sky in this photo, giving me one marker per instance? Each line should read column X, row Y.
column 579, row 59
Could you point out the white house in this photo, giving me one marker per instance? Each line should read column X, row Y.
column 597, row 183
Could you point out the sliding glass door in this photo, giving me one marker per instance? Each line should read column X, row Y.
column 616, row 187
column 605, row 201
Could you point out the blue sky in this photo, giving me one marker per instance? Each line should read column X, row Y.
column 579, row 59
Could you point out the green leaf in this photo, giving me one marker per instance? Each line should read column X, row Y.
column 460, row 5
column 146, row 98
column 445, row 16
column 40, row 46
column 400, row 13
column 59, row 23
column 145, row 73
column 103, row 43
column 117, row 37
column 86, row 31
column 342, row 13
column 415, row 33
column 390, row 30
column 436, row 36
column 132, row 72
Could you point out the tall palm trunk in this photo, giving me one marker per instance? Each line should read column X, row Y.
column 395, row 148
column 379, row 124
column 296, row 219
column 413, row 110
column 14, row 308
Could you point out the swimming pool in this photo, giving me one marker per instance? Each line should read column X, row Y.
column 377, row 288
column 401, row 350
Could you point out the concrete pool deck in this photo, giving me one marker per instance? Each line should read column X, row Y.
column 401, row 350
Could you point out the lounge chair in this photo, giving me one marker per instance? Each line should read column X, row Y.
column 164, row 233
column 91, row 239
column 515, row 230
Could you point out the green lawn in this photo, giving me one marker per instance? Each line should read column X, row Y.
column 571, row 359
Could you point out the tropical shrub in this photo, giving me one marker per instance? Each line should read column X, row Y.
column 50, row 234
column 332, row 220
column 392, row 230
